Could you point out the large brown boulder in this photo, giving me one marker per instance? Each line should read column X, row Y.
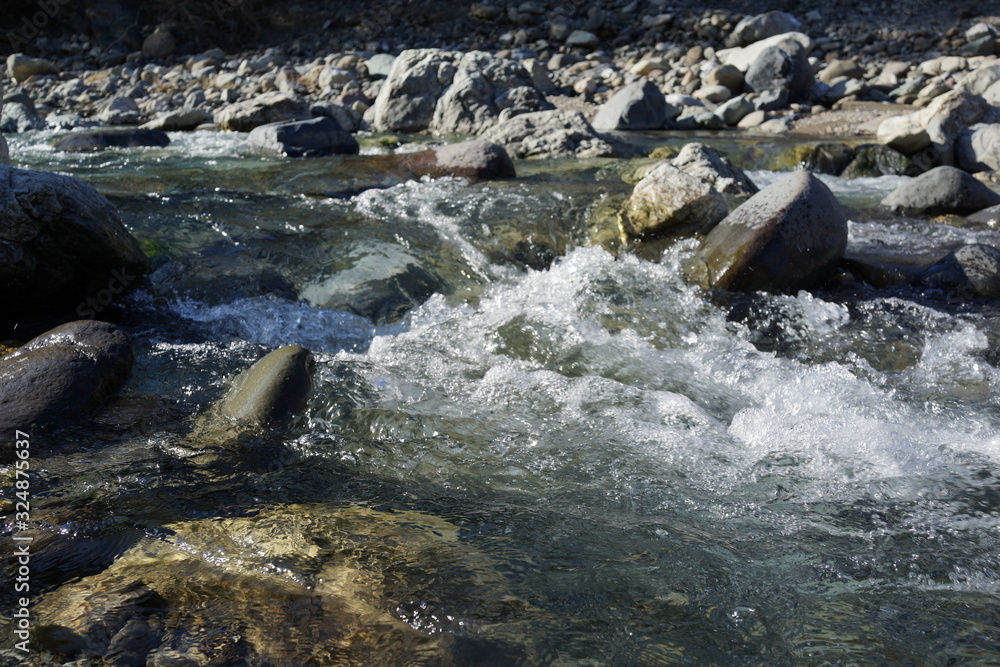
column 788, row 237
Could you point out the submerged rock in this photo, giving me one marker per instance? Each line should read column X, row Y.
column 82, row 142
column 63, row 247
column 383, row 299
column 668, row 200
column 941, row 190
column 637, row 106
column 290, row 585
column 788, row 237
column 302, row 138
column 972, row 269
column 546, row 134
column 63, row 375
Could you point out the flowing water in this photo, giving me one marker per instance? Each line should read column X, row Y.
column 647, row 473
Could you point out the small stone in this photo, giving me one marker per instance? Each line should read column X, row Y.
column 161, row 44
column 581, row 39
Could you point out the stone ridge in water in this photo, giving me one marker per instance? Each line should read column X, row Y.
column 789, row 236
column 272, row 390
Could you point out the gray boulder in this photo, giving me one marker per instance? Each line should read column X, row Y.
column 302, row 138
column 937, row 126
column 780, row 69
column 637, row 106
column 702, row 162
column 788, row 237
column 380, row 65
column 63, row 375
column 988, row 216
column 120, row 110
column 272, row 107
column 63, row 247
column 181, row 120
column 82, row 142
column 21, row 67
column 941, row 190
column 450, row 92
column 549, row 134
column 160, row 44
column 17, row 117
column 743, row 57
column 972, row 269
column 668, row 200
column 345, row 116
column 978, row 148
column 761, row 26
column 734, row 110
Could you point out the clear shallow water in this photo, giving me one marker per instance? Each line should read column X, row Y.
column 654, row 474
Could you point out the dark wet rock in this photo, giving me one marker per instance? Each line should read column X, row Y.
column 63, row 247
column 182, row 120
column 978, row 148
column 18, row 117
column 549, row 134
column 345, row 116
column 271, row 391
column 789, row 236
column 941, row 190
column 761, row 26
column 972, row 269
column 703, row 162
column 668, row 200
column 637, row 106
column 160, row 44
column 872, row 160
column 780, row 69
column 82, row 142
column 273, row 107
column 302, row 138
column 452, row 92
column 63, row 375
column 826, row 157
column 478, row 160
column 21, row 67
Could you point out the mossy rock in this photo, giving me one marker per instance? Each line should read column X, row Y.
column 872, row 160
column 828, row 157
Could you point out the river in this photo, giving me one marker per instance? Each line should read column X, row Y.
column 646, row 473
